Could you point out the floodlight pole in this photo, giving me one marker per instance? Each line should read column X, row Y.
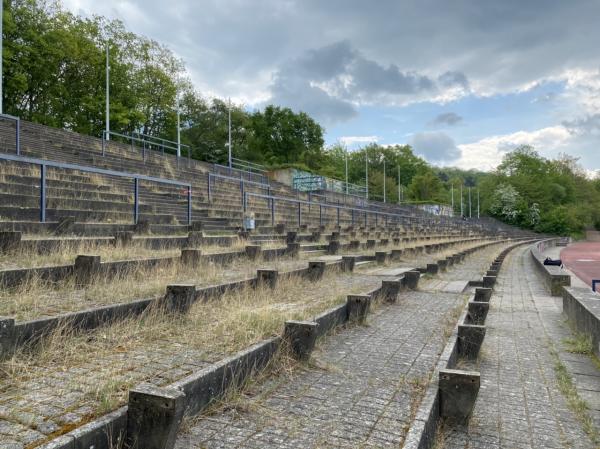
column 107, row 134
column 478, row 204
column 452, row 196
column 470, row 215
column 462, row 210
column 366, row 173
column 346, row 159
column 399, row 188
column 178, row 126
column 229, row 144
column 384, row 180
column 1, row 54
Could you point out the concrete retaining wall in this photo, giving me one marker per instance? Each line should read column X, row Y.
column 582, row 308
column 554, row 277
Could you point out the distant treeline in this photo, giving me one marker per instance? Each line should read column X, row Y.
column 54, row 74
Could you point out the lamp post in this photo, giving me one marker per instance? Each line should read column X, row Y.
column 178, row 126
column 346, row 160
column 366, row 174
column 1, row 53
column 478, row 203
column 462, row 211
column 384, row 180
column 229, row 142
column 470, row 215
column 399, row 187
column 107, row 95
column 452, row 196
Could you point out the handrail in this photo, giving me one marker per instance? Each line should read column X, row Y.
column 102, row 171
column 241, row 172
column 151, row 141
column 17, row 121
column 338, row 208
column 242, row 183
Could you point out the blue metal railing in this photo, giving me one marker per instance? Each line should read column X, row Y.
column 147, row 143
column 17, row 121
column 43, row 164
column 271, row 199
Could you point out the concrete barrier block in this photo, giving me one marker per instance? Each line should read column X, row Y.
column 470, row 339
column 301, row 337
column 179, row 298
column 267, row 277
column 316, row 269
column 477, row 312
column 381, row 257
column 458, row 392
column 10, row 241
column 396, row 241
column 411, row 279
column 293, row 249
column 483, row 294
column 396, row 254
column 123, row 238
column 195, row 239
column 493, row 273
column 291, row 237
column 315, row 236
column 384, row 242
column 191, row 257
column 432, row 268
column 391, row 289
column 489, row 281
column 333, row 247
column 442, row 264
column 142, row 227
column 153, row 417
column 253, row 252
column 354, row 244
column 7, row 337
column 371, row 243
column 280, row 228
column 335, row 236
column 86, row 268
column 358, row 307
column 348, row 263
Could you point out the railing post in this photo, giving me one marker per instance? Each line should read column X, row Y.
column 242, row 190
column 338, row 216
column 299, row 214
column 320, row 215
column 365, row 219
column 43, row 193
column 376, row 218
column 352, row 217
column 245, row 202
column 189, row 211
column 273, row 212
column 208, row 189
column 18, row 136
column 144, row 151
column 136, row 198
column 103, row 142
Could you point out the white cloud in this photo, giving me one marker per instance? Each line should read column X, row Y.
column 487, row 153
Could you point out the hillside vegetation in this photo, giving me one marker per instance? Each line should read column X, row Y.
column 54, row 74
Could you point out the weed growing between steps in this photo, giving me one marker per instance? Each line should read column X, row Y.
column 37, row 298
column 103, row 364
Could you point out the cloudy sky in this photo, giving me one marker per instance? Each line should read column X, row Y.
column 462, row 81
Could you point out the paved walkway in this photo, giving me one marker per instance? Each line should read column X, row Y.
column 520, row 404
column 366, row 385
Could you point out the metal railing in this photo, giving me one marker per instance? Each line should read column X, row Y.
column 17, row 121
column 271, row 199
column 242, row 183
column 147, row 143
column 248, row 166
column 43, row 164
column 241, row 173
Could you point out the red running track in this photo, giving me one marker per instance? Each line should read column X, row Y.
column 583, row 259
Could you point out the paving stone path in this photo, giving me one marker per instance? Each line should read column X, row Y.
column 520, row 404
column 363, row 390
